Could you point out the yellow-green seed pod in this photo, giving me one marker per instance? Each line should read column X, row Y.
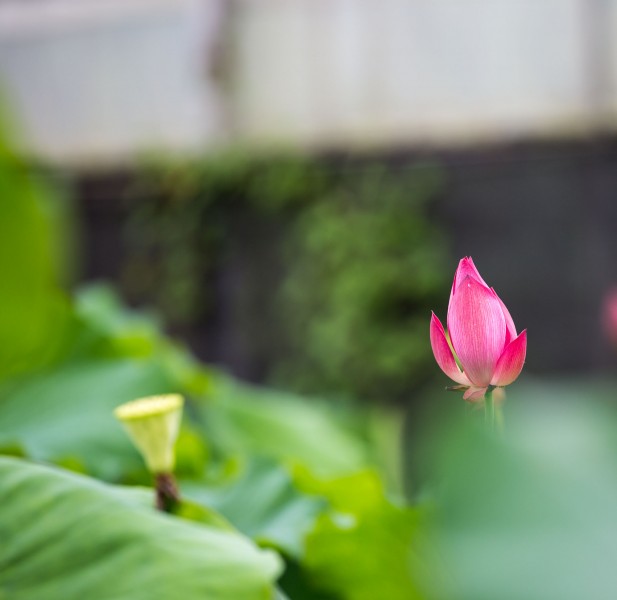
column 153, row 424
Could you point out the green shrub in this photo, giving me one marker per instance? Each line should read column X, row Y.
column 334, row 267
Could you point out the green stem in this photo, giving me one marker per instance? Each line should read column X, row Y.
column 489, row 409
column 499, row 421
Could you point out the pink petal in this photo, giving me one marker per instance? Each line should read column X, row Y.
column 609, row 315
column 466, row 268
column 474, row 394
column 510, row 328
column 443, row 352
column 511, row 362
column 477, row 329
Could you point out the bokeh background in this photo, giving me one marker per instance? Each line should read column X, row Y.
column 285, row 188
column 290, row 184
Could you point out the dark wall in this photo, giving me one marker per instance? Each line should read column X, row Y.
column 233, row 326
column 540, row 221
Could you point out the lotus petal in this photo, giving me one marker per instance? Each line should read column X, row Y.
column 466, row 268
column 510, row 327
column 511, row 362
column 477, row 329
column 443, row 353
column 474, row 394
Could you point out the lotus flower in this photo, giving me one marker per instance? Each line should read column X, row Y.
column 481, row 336
column 609, row 315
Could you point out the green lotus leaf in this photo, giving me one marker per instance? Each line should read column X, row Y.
column 68, row 536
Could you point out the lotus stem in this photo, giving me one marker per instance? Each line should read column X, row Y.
column 489, row 408
column 167, row 495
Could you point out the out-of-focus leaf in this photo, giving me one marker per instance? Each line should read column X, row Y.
column 192, row 452
column 249, row 420
column 299, row 585
column 111, row 330
column 105, row 328
column 33, row 312
column 192, row 511
column 262, row 502
column 529, row 515
column 68, row 536
column 362, row 548
column 112, row 355
column 66, row 413
column 385, row 433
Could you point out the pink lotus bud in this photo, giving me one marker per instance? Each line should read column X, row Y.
column 482, row 336
column 609, row 315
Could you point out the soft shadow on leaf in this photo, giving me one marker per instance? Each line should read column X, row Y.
column 262, row 502
column 300, row 585
column 192, row 511
column 12, row 449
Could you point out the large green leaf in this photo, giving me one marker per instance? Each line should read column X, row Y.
column 33, row 312
column 66, row 413
column 262, row 502
column 67, row 536
column 113, row 355
column 248, row 420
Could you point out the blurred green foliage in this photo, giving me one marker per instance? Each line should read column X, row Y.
column 361, row 516
column 335, row 266
column 269, row 462
column 33, row 310
column 279, row 515
column 365, row 266
column 274, row 482
column 528, row 515
column 258, row 466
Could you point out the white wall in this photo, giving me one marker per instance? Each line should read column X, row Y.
column 102, row 79
column 409, row 70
